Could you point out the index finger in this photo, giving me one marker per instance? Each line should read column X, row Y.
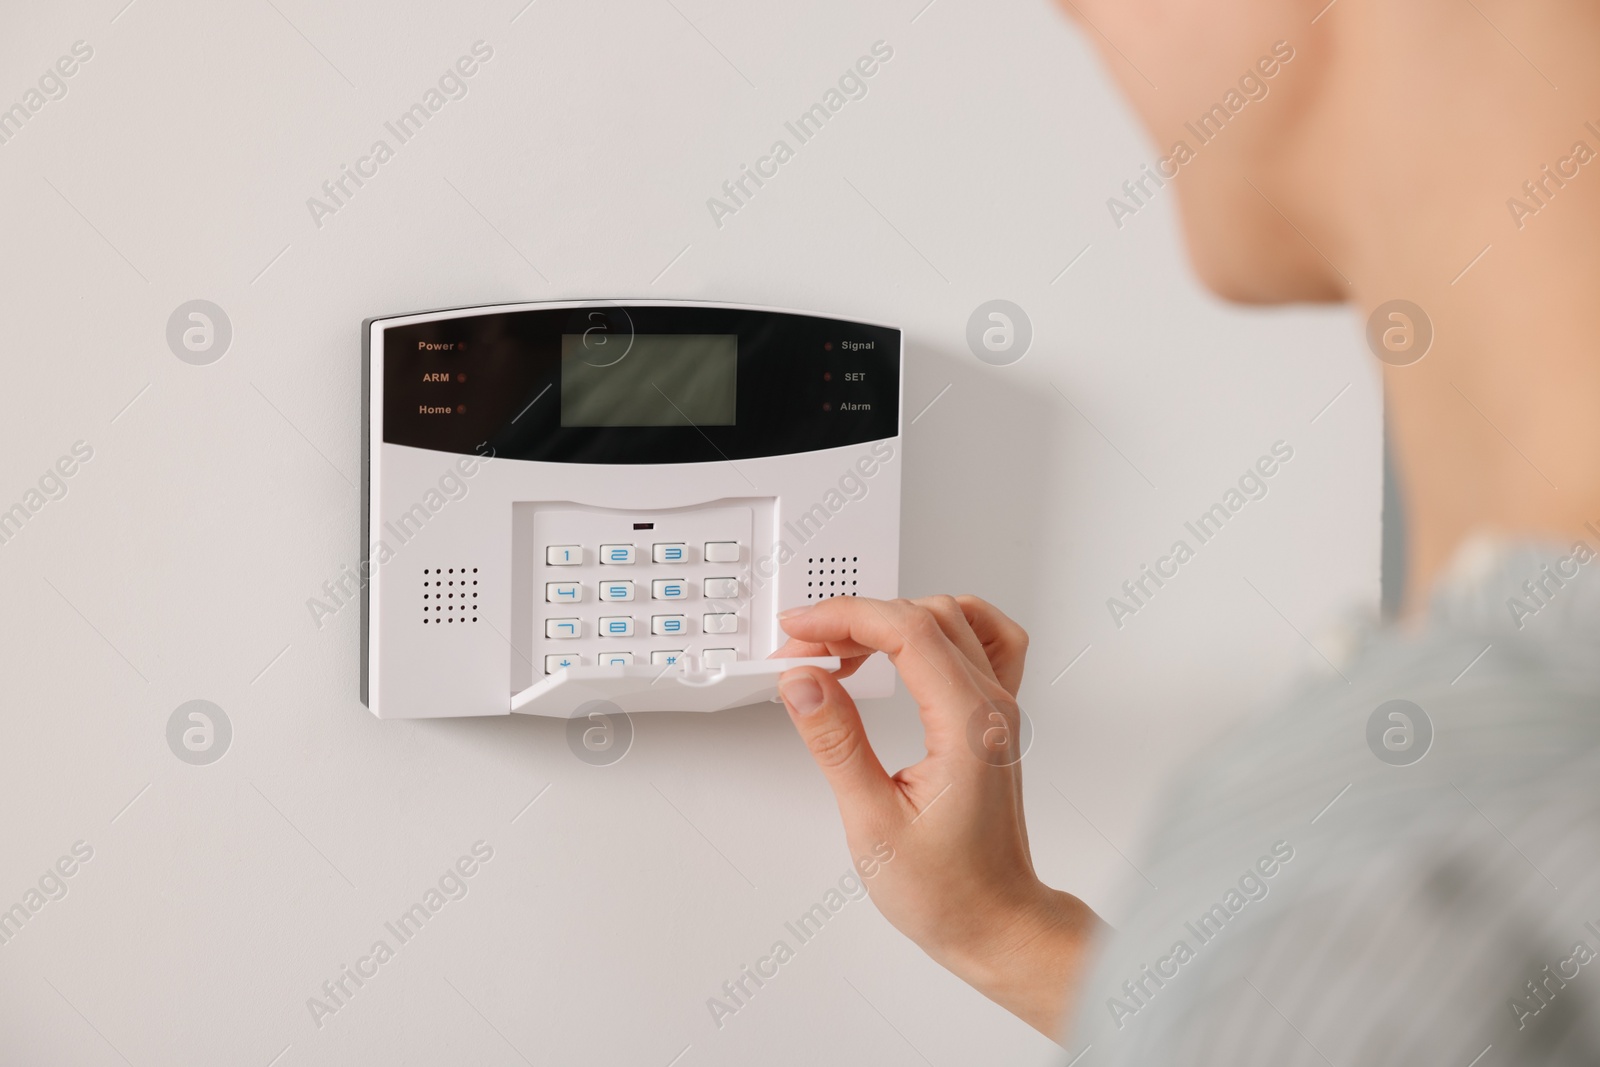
column 1005, row 643
column 935, row 672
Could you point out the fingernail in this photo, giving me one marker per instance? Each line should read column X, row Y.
column 790, row 613
column 803, row 694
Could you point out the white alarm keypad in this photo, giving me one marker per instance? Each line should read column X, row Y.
column 619, row 589
column 646, row 516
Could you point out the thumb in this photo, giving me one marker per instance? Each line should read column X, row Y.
column 830, row 726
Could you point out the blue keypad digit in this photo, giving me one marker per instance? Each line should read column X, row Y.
column 670, row 552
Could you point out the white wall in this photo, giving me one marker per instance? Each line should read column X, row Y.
column 220, row 497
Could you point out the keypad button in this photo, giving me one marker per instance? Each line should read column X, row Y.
column 666, row 658
column 721, row 588
column 669, row 589
column 675, row 553
column 563, row 592
column 556, row 663
column 615, row 659
column 619, row 554
column 722, row 552
column 616, row 590
column 669, row 624
column 563, row 629
column 616, row 626
column 564, row 555
column 718, row 657
column 721, row 623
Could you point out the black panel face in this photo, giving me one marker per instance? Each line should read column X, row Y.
column 613, row 383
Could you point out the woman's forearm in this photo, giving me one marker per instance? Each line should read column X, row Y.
column 1032, row 964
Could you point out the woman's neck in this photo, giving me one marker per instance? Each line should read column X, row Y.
column 1497, row 429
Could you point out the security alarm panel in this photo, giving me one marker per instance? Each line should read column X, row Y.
column 565, row 503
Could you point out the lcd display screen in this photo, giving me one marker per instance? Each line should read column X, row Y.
column 650, row 379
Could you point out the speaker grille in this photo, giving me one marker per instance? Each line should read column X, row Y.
column 449, row 595
column 831, row 576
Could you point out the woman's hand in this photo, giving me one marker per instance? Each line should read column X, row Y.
column 961, row 883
